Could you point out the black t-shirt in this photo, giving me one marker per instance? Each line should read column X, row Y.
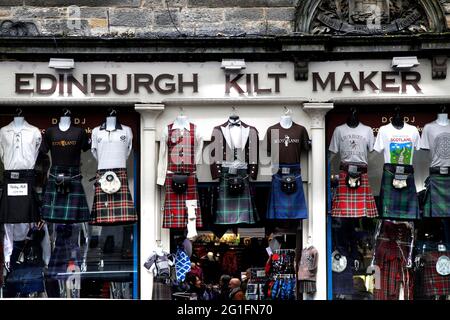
column 65, row 146
column 290, row 142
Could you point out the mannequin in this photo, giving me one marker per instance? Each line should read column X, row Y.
column 352, row 120
column 19, row 120
column 286, row 119
column 65, row 120
column 111, row 120
column 233, row 117
column 181, row 121
column 397, row 120
column 442, row 117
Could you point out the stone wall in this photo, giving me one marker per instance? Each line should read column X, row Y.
column 148, row 18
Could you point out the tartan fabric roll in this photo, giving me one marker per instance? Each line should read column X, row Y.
column 434, row 284
column 437, row 199
column 175, row 210
column 70, row 207
column 398, row 203
column 354, row 202
column 287, row 206
column 116, row 208
column 234, row 209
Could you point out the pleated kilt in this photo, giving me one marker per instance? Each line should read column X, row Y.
column 398, row 203
column 175, row 209
column 351, row 202
column 234, row 209
column 283, row 205
column 19, row 208
column 116, row 208
column 435, row 284
column 437, row 197
column 70, row 207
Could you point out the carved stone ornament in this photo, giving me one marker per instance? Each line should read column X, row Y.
column 368, row 17
column 10, row 28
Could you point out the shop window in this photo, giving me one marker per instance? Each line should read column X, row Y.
column 75, row 259
column 389, row 240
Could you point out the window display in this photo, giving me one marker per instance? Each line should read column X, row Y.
column 307, row 271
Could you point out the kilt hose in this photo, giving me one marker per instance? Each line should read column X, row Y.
column 391, row 258
column 435, row 284
column 354, row 202
column 22, row 207
column 283, row 205
column 117, row 208
column 437, row 196
column 175, row 209
column 234, row 209
column 398, row 203
column 70, row 207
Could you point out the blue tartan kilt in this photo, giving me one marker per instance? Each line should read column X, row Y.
column 70, row 207
column 287, row 206
column 235, row 209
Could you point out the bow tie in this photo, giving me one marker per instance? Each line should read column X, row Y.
column 237, row 124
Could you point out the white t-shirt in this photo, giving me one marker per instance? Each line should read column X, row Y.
column 436, row 138
column 112, row 148
column 398, row 144
column 352, row 143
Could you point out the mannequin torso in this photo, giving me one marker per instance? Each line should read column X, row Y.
column 442, row 119
column 286, row 122
column 111, row 123
column 64, row 123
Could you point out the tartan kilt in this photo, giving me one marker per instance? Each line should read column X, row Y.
column 19, row 209
column 354, row 203
column 234, row 209
column 175, row 210
column 71, row 207
column 433, row 283
column 287, row 206
column 398, row 203
column 116, row 208
column 437, row 198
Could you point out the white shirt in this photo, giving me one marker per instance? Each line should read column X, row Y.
column 18, row 232
column 398, row 144
column 163, row 161
column 112, row 148
column 19, row 147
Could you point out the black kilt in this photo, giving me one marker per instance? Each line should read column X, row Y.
column 19, row 208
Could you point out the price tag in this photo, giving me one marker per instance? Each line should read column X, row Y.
column 401, row 176
column 269, row 251
column 14, row 175
column 17, row 189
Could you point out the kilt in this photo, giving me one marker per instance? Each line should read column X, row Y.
column 117, row 208
column 398, row 203
column 434, row 284
column 175, row 209
column 70, row 207
column 391, row 259
column 354, row 203
column 283, row 205
column 234, row 209
column 22, row 208
column 437, row 197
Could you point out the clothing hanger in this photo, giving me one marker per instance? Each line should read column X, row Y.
column 19, row 112
column 112, row 112
column 66, row 112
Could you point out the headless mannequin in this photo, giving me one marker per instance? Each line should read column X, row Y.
column 442, row 117
column 397, row 120
column 64, row 123
column 182, row 121
column 19, row 123
column 352, row 120
column 286, row 119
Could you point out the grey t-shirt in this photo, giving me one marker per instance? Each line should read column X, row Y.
column 352, row 143
column 436, row 138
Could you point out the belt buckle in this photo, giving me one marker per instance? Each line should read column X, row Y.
column 443, row 170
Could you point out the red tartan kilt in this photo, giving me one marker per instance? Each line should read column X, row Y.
column 175, row 210
column 354, row 203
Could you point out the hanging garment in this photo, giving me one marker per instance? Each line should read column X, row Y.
column 436, row 283
column 182, row 264
column 284, row 205
column 230, row 263
column 181, row 158
column 437, row 197
column 354, row 202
